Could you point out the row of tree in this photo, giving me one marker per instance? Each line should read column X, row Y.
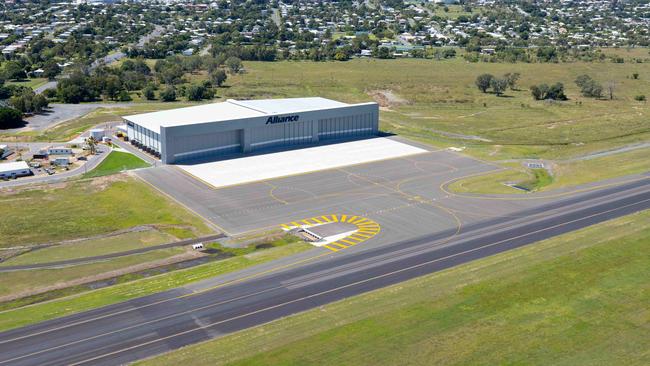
column 485, row 82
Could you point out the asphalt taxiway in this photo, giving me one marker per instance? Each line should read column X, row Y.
column 151, row 325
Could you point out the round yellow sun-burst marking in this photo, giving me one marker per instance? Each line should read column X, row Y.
column 366, row 229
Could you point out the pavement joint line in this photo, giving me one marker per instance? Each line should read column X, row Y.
column 209, row 325
column 205, row 220
column 254, row 275
column 335, row 250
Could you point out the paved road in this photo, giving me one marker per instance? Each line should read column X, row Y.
column 97, row 258
column 151, row 325
column 92, row 163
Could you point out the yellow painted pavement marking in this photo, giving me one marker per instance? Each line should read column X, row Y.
column 366, row 229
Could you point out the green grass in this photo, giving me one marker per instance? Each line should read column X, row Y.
column 541, row 178
column 565, row 174
column 441, row 97
column 125, row 291
column 115, row 162
column 82, row 209
column 17, row 282
column 30, row 83
column 577, row 299
column 92, row 247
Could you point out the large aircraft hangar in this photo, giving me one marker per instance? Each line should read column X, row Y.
column 243, row 126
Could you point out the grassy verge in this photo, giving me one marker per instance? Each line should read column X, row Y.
column 566, row 174
column 87, row 208
column 29, row 83
column 580, row 298
column 115, row 162
column 20, row 282
column 91, row 247
column 142, row 287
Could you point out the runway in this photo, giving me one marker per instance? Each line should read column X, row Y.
column 151, row 325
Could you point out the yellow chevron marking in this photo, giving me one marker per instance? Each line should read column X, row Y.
column 366, row 229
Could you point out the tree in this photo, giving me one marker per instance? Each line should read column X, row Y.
column 553, row 92
column 218, row 77
column 499, row 85
column 483, row 82
column 124, row 96
column 635, row 75
column 611, row 87
column 234, row 64
column 168, row 95
column 383, row 53
column 51, row 69
column 149, row 92
column 10, row 118
column 13, row 71
column 640, row 98
column 340, row 55
column 195, row 92
column 112, row 87
column 92, row 144
column 512, row 79
column 589, row 87
column 39, row 103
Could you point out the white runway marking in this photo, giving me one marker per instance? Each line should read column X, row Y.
column 274, row 165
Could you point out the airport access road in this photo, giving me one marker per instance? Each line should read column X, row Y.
column 155, row 324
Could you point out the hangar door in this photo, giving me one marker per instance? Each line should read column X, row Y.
column 205, row 145
column 346, row 126
column 281, row 134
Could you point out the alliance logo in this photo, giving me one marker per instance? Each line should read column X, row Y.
column 276, row 119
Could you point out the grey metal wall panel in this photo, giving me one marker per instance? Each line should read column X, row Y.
column 346, row 126
column 204, row 145
column 257, row 133
column 285, row 134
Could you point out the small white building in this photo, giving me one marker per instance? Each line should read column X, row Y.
column 14, row 169
column 59, row 150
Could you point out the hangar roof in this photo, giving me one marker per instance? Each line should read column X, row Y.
column 14, row 165
column 229, row 110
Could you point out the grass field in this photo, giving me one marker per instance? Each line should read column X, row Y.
column 565, row 174
column 16, row 282
column 439, row 102
column 125, row 291
column 115, row 162
column 92, row 247
column 578, row 299
column 86, row 208
column 30, row 83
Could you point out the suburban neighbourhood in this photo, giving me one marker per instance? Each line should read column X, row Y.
column 357, row 182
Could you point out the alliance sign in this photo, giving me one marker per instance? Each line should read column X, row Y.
column 276, row 119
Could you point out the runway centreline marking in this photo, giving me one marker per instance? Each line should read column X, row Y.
column 244, row 296
column 351, row 284
column 226, row 283
column 366, row 229
column 171, row 299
